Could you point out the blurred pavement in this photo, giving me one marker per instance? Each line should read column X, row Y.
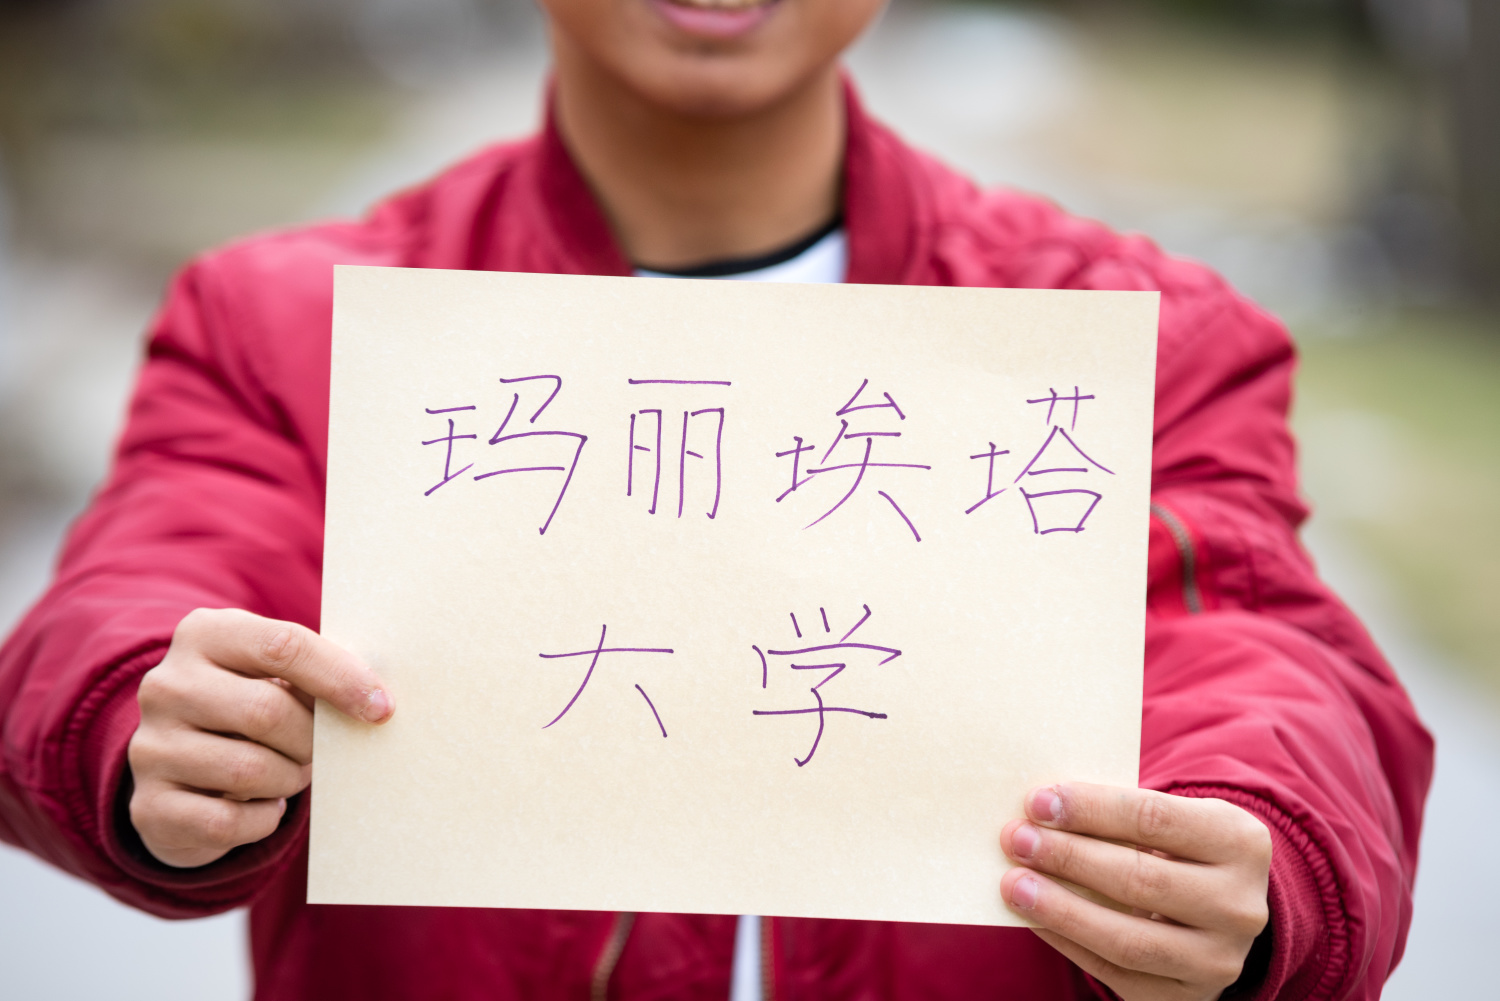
column 983, row 87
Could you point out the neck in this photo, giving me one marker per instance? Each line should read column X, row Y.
column 680, row 190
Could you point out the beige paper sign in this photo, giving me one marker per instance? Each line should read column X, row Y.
column 725, row 597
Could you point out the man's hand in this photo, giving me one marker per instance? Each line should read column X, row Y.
column 1196, row 881
column 226, row 730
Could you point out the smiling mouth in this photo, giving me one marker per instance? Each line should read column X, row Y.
column 725, row 5
column 721, row 20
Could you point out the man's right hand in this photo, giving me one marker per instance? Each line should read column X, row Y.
column 226, row 730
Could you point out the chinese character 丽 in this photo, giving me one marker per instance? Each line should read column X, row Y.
column 647, row 430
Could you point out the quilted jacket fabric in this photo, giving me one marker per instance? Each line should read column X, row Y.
column 1261, row 687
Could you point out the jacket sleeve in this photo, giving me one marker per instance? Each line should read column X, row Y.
column 212, row 501
column 1261, row 687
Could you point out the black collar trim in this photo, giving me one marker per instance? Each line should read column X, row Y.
column 741, row 265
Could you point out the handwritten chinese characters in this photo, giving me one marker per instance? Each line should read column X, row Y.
column 594, row 655
column 817, row 653
column 825, row 652
column 856, row 470
column 653, row 431
column 514, row 444
column 675, row 450
column 660, row 447
column 516, row 460
column 1063, row 508
column 693, row 448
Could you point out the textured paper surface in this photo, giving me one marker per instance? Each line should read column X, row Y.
column 744, row 771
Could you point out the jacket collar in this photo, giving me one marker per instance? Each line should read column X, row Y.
column 587, row 244
column 882, row 207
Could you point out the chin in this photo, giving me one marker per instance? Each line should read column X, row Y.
column 711, row 58
column 724, row 89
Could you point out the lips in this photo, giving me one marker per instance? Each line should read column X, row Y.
column 720, row 19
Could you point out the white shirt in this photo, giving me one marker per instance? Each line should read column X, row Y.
column 824, row 263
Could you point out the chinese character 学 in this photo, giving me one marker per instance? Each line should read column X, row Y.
column 540, row 446
column 860, row 424
column 831, row 659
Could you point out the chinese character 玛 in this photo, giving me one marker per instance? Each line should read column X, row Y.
column 514, row 445
column 831, row 658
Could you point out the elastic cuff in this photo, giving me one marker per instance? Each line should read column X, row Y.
column 1301, row 953
column 228, row 882
column 104, row 725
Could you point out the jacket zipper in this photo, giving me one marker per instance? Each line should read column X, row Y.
column 767, row 968
column 604, row 966
column 1192, row 597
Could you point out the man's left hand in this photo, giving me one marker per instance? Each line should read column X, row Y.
column 1196, row 881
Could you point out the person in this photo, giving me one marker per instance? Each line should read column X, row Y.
column 157, row 731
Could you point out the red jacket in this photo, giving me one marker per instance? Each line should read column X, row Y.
column 1261, row 687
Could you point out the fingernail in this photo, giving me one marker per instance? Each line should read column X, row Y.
column 1024, row 841
column 1023, row 893
column 377, row 706
column 281, row 804
column 1046, row 805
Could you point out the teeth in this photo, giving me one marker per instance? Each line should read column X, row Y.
column 721, row 4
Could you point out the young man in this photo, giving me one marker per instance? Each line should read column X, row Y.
column 157, row 736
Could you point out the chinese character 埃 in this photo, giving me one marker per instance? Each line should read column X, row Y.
column 855, row 470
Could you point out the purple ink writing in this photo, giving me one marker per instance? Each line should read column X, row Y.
column 594, row 655
column 448, row 440
column 679, row 382
column 514, row 446
column 832, row 658
column 990, row 493
column 701, row 430
column 860, row 459
column 1054, row 505
column 1063, row 508
column 1052, row 400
